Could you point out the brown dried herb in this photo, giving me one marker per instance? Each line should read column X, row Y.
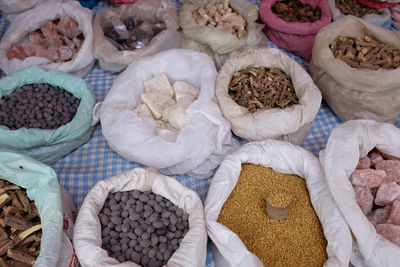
column 365, row 53
column 352, row 7
column 262, row 88
column 295, row 11
column 20, row 228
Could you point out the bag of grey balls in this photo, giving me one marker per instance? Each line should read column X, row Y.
column 44, row 114
column 141, row 218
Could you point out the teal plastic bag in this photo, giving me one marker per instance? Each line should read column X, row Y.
column 49, row 145
column 41, row 186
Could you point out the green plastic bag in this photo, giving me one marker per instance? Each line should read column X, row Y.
column 49, row 145
column 41, row 186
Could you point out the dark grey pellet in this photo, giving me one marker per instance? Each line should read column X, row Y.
column 167, row 254
column 132, row 243
column 145, row 260
column 115, row 213
column 145, row 243
column 158, row 224
column 135, row 257
column 113, row 241
column 146, row 235
column 118, row 228
column 116, row 248
column 173, row 219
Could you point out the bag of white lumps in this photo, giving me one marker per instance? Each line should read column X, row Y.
column 87, row 231
column 284, row 158
column 347, row 143
column 32, row 20
column 198, row 147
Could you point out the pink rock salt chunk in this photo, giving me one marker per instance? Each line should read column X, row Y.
column 78, row 42
column 69, row 42
column 392, row 169
column 68, row 27
column 66, row 53
column 48, row 29
column 16, row 51
column 50, row 54
column 387, row 193
column 374, row 158
column 374, row 190
column 30, row 49
column 379, row 216
column 35, row 37
column 390, row 157
column 367, row 177
column 56, row 40
column 394, row 216
column 364, row 198
column 389, row 231
column 364, row 163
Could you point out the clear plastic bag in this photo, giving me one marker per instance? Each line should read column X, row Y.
column 153, row 11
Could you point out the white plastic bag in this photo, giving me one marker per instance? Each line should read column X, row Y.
column 290, row 124
column 87, row 231
column 284, row 158
column 202, row 142
column 42, row 187
column 110, row 58
column 32, row 20
column 221, row 43
column 377, row 19
column 346, row 144
column 67, row 254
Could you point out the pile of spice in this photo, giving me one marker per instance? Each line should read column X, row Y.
column 20, row 227
column 142, row 227
column 131, row 33
column 295, row 11
column 296, row 241
column 39, row 105
column 58, row 40
column 353, row 7
column 221, row 17
column 365, row 53
column 262, row 88
column 377, row 191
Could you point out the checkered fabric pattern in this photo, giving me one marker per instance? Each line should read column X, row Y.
column 79, row 171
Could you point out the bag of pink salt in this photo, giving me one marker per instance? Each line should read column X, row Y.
column 348, row 143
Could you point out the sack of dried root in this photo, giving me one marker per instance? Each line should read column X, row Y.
column 150, row 11
column 341, row 8
column 41, row 185
column 352, row 91
column 289, row 100
column 221, row 27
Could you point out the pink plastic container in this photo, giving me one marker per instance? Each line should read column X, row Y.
column 296, row 37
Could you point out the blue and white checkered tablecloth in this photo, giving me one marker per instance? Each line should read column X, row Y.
column 79, row 171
